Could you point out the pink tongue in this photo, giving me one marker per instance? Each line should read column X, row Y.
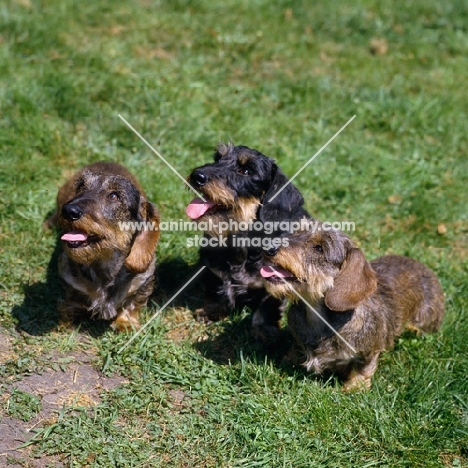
column 268, row 272
column 74, row 236
column 197, row 207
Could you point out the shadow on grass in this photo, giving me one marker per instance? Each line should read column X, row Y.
column 38, row 315
column 231, row 341
column 171, row 276
column 227, row 339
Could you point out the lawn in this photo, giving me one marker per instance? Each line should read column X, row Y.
column 281, row 77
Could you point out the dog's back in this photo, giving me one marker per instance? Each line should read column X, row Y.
column 415, row 291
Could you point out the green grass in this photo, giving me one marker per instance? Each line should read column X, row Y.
column 281, row 77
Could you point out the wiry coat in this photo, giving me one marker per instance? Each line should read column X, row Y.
column 345, row 310
column 107, row 266
column 239, row 185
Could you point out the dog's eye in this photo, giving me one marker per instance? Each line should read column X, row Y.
column 80, row 186
column 318, row 248
column 243, row 171
column 113, row 196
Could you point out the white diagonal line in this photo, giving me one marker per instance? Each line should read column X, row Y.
column 312, row 158
column 160, row 157
column 161, row 309
column 317, row 314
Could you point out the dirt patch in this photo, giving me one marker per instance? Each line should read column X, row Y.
column 78, row 383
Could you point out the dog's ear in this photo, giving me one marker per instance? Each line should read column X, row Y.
column 355, row 282
column 283, row 205
column 146, row 240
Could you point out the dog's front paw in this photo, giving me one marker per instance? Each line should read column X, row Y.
column 357, row 383
column 264, row 331
column 209, row 314
column 202, row 317
column 126, row 322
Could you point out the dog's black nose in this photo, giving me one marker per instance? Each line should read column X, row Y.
column 71, row 212
column 198, row 178
column 273, row 250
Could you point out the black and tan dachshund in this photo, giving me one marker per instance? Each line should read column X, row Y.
column 248, row 202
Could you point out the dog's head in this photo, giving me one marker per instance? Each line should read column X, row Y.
column 97, row 222
column 320, row 264
column 238, row 186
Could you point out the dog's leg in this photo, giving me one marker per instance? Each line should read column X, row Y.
column 127, row 320
column 215, row 306
column 211, row 312
column 359, row 378
column 128, row 316
column 73, row 309
column 414, row 329
column 265, row 321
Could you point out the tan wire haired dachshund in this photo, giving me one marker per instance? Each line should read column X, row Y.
column 367, row 304
column 107, row 269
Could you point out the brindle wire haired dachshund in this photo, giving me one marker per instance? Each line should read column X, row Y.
column 367, row 304
column 238, row 187
column 107, row 266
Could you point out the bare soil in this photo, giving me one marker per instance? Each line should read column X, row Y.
column 76, row 382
